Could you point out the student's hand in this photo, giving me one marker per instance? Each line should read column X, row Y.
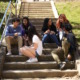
column 15, row 34
column 47, row 31
column 69, row 57
column 52, row 32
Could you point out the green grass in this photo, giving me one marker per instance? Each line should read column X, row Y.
column 77, row 34
column 71, row 10
column 3, row 6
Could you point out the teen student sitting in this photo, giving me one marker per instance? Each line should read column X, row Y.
column 13, row 35
column 68, row 48
column 24, row 26
column 60, row 25
column 49, row 32
column 35, row 49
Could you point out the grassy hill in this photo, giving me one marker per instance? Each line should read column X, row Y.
column 3, row 6
column 72, row 12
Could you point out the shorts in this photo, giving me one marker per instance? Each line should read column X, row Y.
column 36, row 54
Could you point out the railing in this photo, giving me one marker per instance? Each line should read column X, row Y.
column 5, row 18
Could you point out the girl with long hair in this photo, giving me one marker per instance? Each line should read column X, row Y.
column 49, row 32
column 36, row 48
column 25, row 24
column 62, row 20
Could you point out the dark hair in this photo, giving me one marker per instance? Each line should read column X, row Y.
column 68, row 27
column 15, row 20
column 32, row 31
column 45, row 24
column 27, row 21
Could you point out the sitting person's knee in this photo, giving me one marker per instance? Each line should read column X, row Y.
column 9, row 37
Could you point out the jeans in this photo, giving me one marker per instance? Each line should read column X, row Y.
column 50, row 38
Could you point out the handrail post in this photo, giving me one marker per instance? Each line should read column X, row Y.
column 5, row 18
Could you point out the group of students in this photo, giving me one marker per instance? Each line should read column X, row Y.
column 30, row 43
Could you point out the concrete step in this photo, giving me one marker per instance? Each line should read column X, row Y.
column 40, row 11
column 50, row 45
column 40, row 17
column 40, row 5
column 54, row 78
column 37, row 15
column 47, row 51
column 42, row 73
column 41, row 20
column 40, row 14
column 35, row 66
column 36, row 11
column 17, row 58
column 38, row 27
column 32, row 7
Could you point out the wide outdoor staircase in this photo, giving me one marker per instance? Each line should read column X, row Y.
column 36, row 10
column 16, row 67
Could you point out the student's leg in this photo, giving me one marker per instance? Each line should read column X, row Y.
column 58, row 55
column 19, row 43
column 65, row 47
column 8, row 42
column 54, row 38
column 29, row 52
column 45, row 38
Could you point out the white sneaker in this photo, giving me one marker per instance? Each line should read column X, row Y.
column 9, row 53
column 29, row 60
column 32, row 60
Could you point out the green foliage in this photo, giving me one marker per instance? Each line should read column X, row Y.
column 8, row 0
column 3, row 7
column 71, row 10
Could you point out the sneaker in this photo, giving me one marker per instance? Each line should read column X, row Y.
column 9, row 53
column 32, row 60
column 61, row 66
column 66, row 60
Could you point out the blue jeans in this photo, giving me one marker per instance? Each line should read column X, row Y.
column 50, row 38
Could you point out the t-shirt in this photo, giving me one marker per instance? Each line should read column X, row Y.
column 36, row 39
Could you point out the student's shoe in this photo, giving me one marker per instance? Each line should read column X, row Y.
column 32, row 60
column 61, row 66
column 66, row 60
column 29, row 60
column 9, row 53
